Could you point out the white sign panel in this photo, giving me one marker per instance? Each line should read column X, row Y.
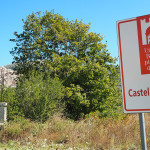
column 134, row 49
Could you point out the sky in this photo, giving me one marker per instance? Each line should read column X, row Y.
column 103, row 15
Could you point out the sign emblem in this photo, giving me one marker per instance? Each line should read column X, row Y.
column 143, row 26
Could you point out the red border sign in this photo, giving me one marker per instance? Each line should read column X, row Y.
column 142, row 25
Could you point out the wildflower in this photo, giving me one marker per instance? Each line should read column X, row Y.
column 43, row 145
column 45, row 140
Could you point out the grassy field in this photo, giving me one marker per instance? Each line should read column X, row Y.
column 86, row 134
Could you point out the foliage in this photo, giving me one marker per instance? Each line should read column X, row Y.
column 13, row 110
column 67, row 51
column 90, row 86
column 36, row 97
column 39, row 96
column 50, row 33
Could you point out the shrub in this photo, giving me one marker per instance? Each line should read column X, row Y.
column 90, row 86
column 39, row 96
column 13, row 110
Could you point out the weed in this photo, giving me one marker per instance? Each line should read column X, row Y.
column 59, row 133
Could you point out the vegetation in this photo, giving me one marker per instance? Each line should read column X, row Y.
column 58, row 48
column 37, row 97
column 44, row 35
column 88, row 134
column 64, row 68
column 89, row 86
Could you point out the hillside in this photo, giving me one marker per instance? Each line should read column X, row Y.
column 10, row 66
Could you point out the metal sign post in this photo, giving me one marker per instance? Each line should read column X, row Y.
column 142, row 131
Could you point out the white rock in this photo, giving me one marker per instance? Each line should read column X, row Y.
column 8, row 76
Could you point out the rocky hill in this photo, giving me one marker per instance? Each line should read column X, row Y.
column 8, row 77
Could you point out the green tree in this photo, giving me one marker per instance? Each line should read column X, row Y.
column 50, row 33
column 67, row 50
column 90, row 86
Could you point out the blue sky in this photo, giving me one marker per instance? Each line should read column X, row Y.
column 102, row 14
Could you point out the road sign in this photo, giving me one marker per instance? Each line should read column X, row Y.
column 134, row 49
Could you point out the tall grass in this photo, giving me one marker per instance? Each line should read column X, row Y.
column 90, row 133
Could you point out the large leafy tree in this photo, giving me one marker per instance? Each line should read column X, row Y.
column 50, row 33
column 69, row 51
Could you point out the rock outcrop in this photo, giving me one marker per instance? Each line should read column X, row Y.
column 8, row 77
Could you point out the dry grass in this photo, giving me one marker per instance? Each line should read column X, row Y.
column 91, row 133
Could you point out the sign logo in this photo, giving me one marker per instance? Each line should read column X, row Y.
column 143, row 27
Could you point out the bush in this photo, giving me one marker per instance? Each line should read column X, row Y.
column 39, row 96
column 13, row 110
column 90, row 86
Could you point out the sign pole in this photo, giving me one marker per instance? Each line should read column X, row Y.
column 142, row 131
